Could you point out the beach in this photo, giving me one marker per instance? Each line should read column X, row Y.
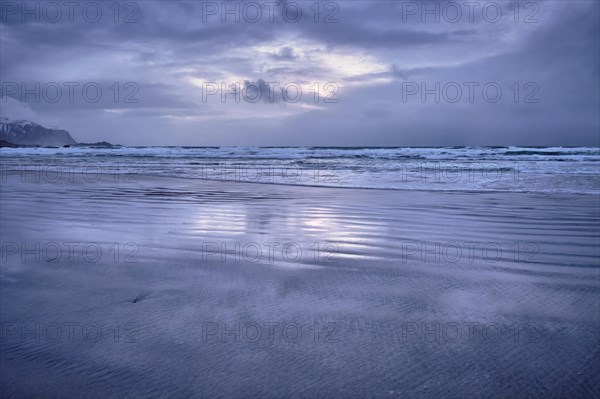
column 179, row 287
column 300, row 199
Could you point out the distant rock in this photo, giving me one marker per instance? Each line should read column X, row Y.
column 27, row 133
column 4, row 143
column 100, row 144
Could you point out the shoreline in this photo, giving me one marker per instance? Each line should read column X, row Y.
column 228, row 181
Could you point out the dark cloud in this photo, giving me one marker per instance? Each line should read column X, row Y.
column 260, row 92
column 285, row 53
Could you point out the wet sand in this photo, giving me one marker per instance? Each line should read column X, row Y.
column 167, row 287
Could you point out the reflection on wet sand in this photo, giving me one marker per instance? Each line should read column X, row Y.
column 354, row 292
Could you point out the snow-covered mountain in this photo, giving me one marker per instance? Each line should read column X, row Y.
column 24, row 132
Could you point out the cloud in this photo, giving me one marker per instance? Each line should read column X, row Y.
column 16, row 110
column 285, row 53
column 368, row 51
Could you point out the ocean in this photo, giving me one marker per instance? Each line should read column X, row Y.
column 464, row 169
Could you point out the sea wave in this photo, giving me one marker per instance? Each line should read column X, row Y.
column 517, row 169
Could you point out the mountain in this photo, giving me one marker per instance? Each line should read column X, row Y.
column 23, row 132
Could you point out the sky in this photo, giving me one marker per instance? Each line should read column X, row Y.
column 306, row 73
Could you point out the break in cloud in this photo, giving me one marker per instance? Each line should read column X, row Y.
column 360, row 67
